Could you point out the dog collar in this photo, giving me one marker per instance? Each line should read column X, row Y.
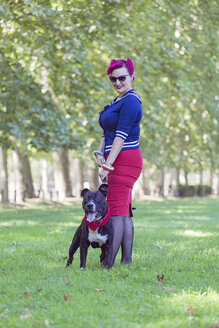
column 94, row 225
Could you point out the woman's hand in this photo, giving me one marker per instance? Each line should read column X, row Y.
column 100, row 160
column 103, row 174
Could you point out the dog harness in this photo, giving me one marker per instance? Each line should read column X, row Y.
column 94, row 225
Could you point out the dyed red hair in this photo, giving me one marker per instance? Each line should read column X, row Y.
column 118, row 63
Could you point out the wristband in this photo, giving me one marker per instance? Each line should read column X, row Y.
column 106, row 167
column 98, row 152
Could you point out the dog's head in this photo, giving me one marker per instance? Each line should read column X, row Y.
column 94, row 203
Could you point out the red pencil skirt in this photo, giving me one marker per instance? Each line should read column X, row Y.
column 127, row 169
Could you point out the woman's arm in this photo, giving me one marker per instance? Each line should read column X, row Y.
column 115, row 150
column 100, row 158
column 102, row 144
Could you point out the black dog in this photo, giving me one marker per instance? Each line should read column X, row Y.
column 96, row 228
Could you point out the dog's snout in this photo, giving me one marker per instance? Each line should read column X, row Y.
column 91, row 206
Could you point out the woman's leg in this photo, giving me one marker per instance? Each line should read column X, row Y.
column 127, row 241
column 118, row 226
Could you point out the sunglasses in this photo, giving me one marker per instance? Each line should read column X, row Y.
column 121, row 78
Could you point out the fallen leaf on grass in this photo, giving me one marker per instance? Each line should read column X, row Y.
column 160, row 278
column 64, row 279
column 159, row 246
column 191, row 310
column 66, row 297
column 3, row 313
column 100, row 289
column 27, row 295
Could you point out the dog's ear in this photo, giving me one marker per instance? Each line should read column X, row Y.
column 84, row 191
column 103, row 188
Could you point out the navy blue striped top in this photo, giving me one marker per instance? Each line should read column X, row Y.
column 122, row 119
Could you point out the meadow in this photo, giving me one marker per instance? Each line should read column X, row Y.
column 172, row 281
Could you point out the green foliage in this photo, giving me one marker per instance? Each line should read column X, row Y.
column 54, row 56
column 198, row 190
column 174, row 238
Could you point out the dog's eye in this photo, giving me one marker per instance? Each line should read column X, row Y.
column 98, row 196
column 87, row 197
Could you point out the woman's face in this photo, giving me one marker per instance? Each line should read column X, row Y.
column 121, row 86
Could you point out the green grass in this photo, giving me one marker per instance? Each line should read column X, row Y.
column 37, row 290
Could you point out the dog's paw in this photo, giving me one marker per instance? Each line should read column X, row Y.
column 69, row 262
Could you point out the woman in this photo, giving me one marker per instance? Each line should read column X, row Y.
column 119, row 153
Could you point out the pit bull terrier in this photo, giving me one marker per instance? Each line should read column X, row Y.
column 96, row 228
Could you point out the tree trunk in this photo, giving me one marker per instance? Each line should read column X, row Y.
column 159, row 186
column 138, row 191
column 3, row 175
column 77, row 176
column 18, row 176
column 94, row 178
column 174, row 186
column 62, row 175
column 165, row 183
column 201, row 183
column 66, row 171
column 44, row 183
column 81, row 174
column 146, row 179
column 186, row 177
column 201, row 177
column 28, row 180
column 211, row 182
column 217, row 183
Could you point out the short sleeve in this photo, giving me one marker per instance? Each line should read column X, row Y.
column 128, row 115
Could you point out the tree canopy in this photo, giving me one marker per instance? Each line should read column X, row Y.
column 54, row 55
